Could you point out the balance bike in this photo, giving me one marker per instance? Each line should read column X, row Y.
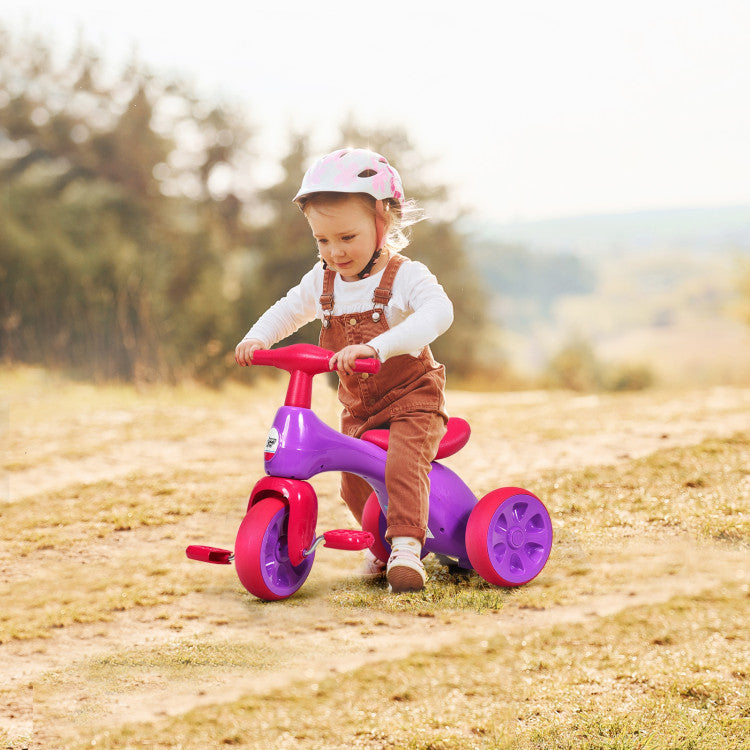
column 506, row 537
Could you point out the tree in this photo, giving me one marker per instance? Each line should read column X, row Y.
column 114, row 229
column 287, row 250
column 125, row 244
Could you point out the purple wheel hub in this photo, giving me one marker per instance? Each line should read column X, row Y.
column 262, row 555
column 516, row 537
column 519, row 538
column 278, row 573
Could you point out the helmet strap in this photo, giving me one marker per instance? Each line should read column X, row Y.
column 379, row 224
column 366, row 270
column 380, row 211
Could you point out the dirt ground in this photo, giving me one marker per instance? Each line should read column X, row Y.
column 52, row 686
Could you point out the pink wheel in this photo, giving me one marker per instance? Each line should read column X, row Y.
column 374, row 521
column 261, row 555
column 509, row 536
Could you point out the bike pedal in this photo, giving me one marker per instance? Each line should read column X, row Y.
column 214, row 555
column 350, row 539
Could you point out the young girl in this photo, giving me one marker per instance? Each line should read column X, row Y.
column 373, row 302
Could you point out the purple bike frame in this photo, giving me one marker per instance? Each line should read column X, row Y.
column 300, row 445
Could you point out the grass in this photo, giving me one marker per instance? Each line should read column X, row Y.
column 187, row 658
column 607, row 683
column 51, row 418
column 446, row 591
column 95, row 557
column 646, row 496
column 663, row 676
column 97, row 510
column 703, row 489
column 82, row 548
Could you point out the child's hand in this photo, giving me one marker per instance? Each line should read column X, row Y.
column 344, row 359
column 243, row 353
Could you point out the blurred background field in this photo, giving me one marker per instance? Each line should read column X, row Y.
column 145, row 218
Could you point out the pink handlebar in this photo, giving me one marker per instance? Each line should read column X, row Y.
column 307, row 358
column 303, row 361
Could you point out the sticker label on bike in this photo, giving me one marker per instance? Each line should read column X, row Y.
column 272, row 444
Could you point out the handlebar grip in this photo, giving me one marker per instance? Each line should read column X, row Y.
column 367, row 365
column 264, row 356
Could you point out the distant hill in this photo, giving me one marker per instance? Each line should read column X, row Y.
column 697, row 230
column 653, row 289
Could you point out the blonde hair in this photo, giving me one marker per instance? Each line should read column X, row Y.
column 399, row 217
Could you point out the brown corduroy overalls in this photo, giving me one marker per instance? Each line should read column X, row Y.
column 405, row 396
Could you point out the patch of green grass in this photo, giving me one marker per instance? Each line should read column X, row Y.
column 445, row 590
column 73, row 593
column 87, row 512
column 702, row 489
column 186, row 658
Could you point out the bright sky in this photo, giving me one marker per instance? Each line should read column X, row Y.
column 531, row 109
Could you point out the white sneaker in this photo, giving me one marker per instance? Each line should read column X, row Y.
column 405, row 571
column 372, row 568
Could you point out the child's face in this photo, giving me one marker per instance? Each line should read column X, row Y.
column 346, row 237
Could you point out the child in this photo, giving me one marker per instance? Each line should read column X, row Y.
column 373, row 302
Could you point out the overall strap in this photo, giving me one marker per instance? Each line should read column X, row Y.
column 326, row 297
column 383, row 293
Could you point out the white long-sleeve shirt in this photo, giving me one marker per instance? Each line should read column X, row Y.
column 418, row 312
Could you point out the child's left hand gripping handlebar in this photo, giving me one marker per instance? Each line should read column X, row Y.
column 367, row 365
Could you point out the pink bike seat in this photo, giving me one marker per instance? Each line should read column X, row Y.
column 456, row 436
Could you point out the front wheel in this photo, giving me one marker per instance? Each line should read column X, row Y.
column 509, row 536
column 261, row 554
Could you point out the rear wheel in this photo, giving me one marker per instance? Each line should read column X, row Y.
column 261, row 554
column 509, row 536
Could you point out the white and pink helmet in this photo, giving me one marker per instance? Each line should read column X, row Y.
column 353, row 170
